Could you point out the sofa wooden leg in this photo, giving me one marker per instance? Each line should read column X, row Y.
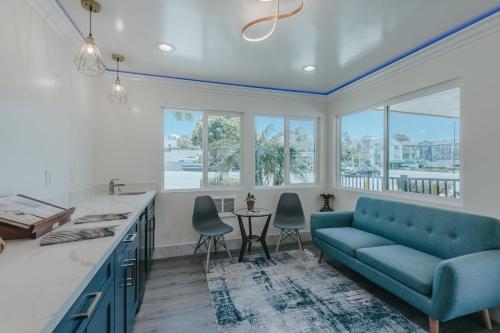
column 486, row 318
column 433, row 325
column 321, row 254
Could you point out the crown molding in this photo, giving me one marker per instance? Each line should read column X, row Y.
column 172, row 84
column 458, row 39
column 56, row 17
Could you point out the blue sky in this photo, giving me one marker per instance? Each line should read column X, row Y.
column 416, row 127
column 183, row 127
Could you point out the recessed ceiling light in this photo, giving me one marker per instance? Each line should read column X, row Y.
column 167, row 47
column 309, row 68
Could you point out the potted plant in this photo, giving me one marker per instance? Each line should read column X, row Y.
column 250, row 200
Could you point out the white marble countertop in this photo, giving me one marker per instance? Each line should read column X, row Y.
column 38, row 284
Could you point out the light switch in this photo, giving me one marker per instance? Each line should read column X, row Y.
column 48, row 177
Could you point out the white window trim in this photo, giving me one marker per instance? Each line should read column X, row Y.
column 385, row 105
column 287, row 184
column 205, row 185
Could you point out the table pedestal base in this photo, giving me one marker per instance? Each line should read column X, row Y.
column 250, row 238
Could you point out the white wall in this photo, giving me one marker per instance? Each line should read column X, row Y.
column 46, row 119
column 130, row 146
column 475, row 66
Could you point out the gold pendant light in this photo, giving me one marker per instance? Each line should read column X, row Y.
column 275, row 18
column 89, row 61
column 117, row 95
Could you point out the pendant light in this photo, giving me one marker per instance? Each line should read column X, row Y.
column 89, row 61
column 117, row 95
column 274, row 19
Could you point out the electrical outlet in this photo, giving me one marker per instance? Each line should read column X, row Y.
column 48, row 178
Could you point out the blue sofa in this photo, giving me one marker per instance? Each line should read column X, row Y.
column 445, row 263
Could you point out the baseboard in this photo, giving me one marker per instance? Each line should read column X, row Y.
column 170, row 251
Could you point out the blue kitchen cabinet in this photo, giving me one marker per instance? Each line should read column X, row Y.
column 112, row 298
column 81, row 314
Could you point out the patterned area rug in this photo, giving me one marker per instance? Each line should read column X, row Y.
column 290, row 294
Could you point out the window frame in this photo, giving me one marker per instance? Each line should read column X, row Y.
column 385, row 108
column 286, row 142
column 205, row 186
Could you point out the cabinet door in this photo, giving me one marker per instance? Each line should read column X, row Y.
column 120, row 295
column 86, row 306
column 103, row 320
column 132, row 285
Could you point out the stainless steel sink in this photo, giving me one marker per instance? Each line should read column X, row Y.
column 130, row 193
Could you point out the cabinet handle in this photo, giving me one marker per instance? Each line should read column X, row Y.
column 87, row 314
column 132, row 263
column 130, row 238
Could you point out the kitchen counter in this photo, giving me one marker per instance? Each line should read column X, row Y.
column 38, row 284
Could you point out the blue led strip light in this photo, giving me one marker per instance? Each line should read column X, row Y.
column 418, row 48
column 386, row 64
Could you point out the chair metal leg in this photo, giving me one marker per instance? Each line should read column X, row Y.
column 208, row 254
column 197, row 247
column 279, row 241
column 215, row 244
column 321, row 254
column 227, row 249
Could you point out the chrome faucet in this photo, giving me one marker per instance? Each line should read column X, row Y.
column 112, row 186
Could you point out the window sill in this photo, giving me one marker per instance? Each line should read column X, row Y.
column 408, row 196
column 243, row 189
column 206, row 189
column 285, row 187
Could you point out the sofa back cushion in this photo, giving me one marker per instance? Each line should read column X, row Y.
column 441, row 233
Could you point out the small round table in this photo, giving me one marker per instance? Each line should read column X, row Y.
column 250, row 238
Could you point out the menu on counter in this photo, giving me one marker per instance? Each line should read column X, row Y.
column 24, row 210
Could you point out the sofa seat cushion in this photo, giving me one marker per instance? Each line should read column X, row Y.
column 348, row 240
column 410, row 267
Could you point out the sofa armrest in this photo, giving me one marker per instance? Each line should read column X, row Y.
column 466, row 284
column 330, row 220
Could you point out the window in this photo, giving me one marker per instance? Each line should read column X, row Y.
column 275, row 136
column 201, row 149
column 183, row 153
column 423, row 146
column 223, row 150
column 302, row 151
column 269, row 151
column 362, row 150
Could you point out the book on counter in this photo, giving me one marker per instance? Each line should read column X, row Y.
column 25, row 217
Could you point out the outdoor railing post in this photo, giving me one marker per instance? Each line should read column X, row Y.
column 403, row 186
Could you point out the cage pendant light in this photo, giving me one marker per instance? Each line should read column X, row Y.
column 117, row 95
column 89, row 61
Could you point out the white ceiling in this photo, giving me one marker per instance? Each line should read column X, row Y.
column 344, row 38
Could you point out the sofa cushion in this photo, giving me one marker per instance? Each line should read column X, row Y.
column 348, row 240
column 413, row 268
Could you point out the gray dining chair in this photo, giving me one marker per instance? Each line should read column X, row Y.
column 289, row 219
column 207, row 223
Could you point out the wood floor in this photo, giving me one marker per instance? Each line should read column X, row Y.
column 177, row 299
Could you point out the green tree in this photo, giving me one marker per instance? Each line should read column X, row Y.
column 270, row 156
column 223, row 146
